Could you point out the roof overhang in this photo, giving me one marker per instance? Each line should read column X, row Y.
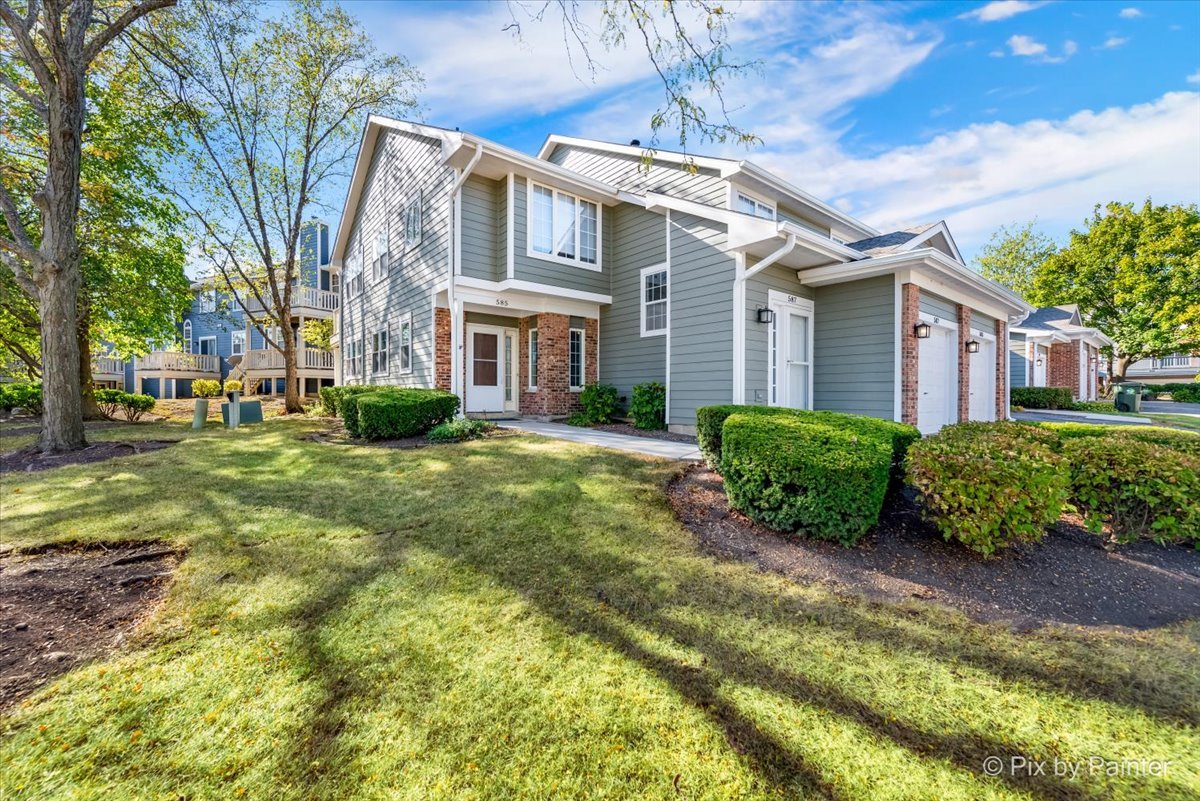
column 1092, row 336
column 932, row 269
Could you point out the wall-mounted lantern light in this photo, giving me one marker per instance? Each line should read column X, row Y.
column 972, row 346
column 766, row 316
column 1039, row 362
column 921, row 330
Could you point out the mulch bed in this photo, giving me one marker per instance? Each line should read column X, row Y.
column 61, row 607
column 30, row 459
column 626, row 428
column 1068, row 578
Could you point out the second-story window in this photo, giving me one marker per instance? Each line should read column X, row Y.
column 379, row 264
column 237, row 344
column 379, row 351
column 187, row 336
column 413, row 222
column 354, row 276
column 208, row 301
column 654, row 301
column 564, row 227
column 748, row 204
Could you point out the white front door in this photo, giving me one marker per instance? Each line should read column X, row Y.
column 485, row 369
column 983, row 382
column 1040, row 357
column 791, row 352
column 936, row 374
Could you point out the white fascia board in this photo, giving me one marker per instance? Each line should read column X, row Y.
column 658, row 202
column 531, row 287
column 933, row 230
column 821, row 244
column 514, row 301
column 670, row 156
column 537, row 167
column 732, row 169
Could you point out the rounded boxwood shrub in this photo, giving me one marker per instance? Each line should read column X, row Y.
column 1041, row 397
column 206, row 388
column 233, row 385
column 1141, row 489
column 648, row 406
column 393, row 413
column 109, row 401
column 135, row 405
column 598, row 402
column 989, row 485
column 333, row 397
column 21, row 396
column 805, row 475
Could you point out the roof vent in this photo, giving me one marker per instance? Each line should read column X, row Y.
column 635, row 142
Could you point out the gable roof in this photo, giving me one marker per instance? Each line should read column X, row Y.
column 1053, row 318
column 907, row 239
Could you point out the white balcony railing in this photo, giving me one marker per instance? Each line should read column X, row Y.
column 304, row 299
column 306, row 359
column 105, row 365
column 1173, row 363
column 176, row 362
column 1178, row 360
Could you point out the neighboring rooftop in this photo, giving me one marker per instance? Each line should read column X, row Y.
column 1053, row 318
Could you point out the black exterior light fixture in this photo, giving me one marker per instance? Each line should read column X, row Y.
column 972, row 346
column 766, row 316
column 921, row 330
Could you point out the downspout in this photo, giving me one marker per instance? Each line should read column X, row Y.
column 739, row 313
column 456, row 312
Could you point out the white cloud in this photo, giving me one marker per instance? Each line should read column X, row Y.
column 999, row 9
column 1025, row 46
column 1194, row 77
column 941, row 111
column 1113, row 42
column 1130, row 13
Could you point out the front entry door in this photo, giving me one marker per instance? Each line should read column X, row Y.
column 791, row 350
column 983, row 382
column 935, row 404
column 485, row 369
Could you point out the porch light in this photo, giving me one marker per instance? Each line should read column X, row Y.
column 921, row 330
column 766, row 316
column 972, row 346
column 1038, row 362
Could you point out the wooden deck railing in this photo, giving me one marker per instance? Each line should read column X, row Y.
column 176, row 362
column 306, row 359
column 105, row 365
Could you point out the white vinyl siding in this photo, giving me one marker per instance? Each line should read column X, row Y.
column 563, row 227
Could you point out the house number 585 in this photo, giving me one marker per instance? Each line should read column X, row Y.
column 500, row 302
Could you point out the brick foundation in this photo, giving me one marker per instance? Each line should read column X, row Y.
column 441, row 348
column 1063, row 367
column 1001, row 370
column 910, row 315
column 964, row 364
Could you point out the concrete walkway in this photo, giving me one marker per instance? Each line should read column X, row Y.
column 686, row 451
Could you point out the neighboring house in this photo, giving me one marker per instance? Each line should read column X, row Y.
column 514, row 281
column 1053, row 348
column 219, row 341
column 1178, row 368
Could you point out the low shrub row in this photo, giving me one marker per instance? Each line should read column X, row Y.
column 1041, row 397
column 1185, row 393
column 331, row 397
column 21, row 396
column 133, row 406
column 992, row 484
column 600, row 403
column 395, row 413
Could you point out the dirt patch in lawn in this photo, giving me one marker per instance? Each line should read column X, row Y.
column 62, row 607
column 29, row 460
column 1068, row 578
column 626, row 428
column 338, row 436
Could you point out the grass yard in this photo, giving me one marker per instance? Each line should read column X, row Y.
column 1187, row 421
column 523, row 618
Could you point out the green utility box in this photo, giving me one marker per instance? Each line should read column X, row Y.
column 251, row 412
column 1129, row 397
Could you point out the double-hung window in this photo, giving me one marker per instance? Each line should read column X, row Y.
column 563, row 227
column 405, row 348
column 412, row 221
column 354, row 359
column 354, row 276
column 533, row 359
column 654, row 301
column 237, row 344
column 748, row 204
column 379, row 264
column 575, row 367
column 379, row 351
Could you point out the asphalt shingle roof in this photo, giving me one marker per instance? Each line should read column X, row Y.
column 889, row 243
column 1052, row 318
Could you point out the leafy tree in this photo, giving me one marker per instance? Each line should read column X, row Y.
column 1135, row 274
column 1013, row 256
column 58, row 43
column 318, row 333
column 273, row 106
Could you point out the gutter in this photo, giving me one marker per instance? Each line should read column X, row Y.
column 455, row 312
column 739, row 312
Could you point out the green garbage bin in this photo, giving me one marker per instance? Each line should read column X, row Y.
column 1129, row 397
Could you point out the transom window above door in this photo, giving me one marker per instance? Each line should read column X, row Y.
column 563, row 227
column 748, row 204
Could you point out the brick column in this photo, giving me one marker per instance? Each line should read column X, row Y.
column 964, row 364
column 441, row 348
column 1062, row 369
column 910, row 315
column 1001, row 369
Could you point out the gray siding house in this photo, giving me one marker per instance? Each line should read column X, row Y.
column 514, row 281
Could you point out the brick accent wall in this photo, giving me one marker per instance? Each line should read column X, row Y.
column 1001, row 369
column 964, row 364
column 910, row 314
column 1063, row 367
column 441, row 348
column 554, row 396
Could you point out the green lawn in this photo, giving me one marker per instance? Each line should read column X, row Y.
column 1187, row 421
column 522, row 618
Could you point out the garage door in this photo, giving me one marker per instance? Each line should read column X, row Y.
column 935, row 372
column 983, row 382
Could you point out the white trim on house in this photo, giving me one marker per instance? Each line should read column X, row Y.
column 510, row 245
column 187, row 336
column 665, row 300
column 898, row 355
column 381, row 366
column 782, row 304
column 236, row 337
column 577, row 204
column 938, row 228
column 667, row 344
column 200, row 348
column 739, row 328
column 533, row 286
column 950, row 376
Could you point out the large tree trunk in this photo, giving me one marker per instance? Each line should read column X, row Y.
column 291, row 394
column 87, row 393
column 62, row 418
column 1119, row 364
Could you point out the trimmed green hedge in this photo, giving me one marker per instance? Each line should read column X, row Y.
column 21, row 396
column 808, row 475
column 394, row 412
column 711, row 419
column 1175, row 439
column 1141, row 489
column 331, row 397
column 1185, row 393
column 112, row 400
column 1041, row 397
column 989, row 485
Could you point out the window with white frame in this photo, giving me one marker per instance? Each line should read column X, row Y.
column 208, row 301
column 575, row 367
column 654, row 301
column 405, row 348
column 354, row 356
column 748, row 204
column 237, row 343
column 354, row 276
column 187, row 336
column 379, row 351
column 533, row 359
column 379, row 264
column 412, row 221
column 563, row 227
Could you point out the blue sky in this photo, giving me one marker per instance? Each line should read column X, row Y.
column 899, row 113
